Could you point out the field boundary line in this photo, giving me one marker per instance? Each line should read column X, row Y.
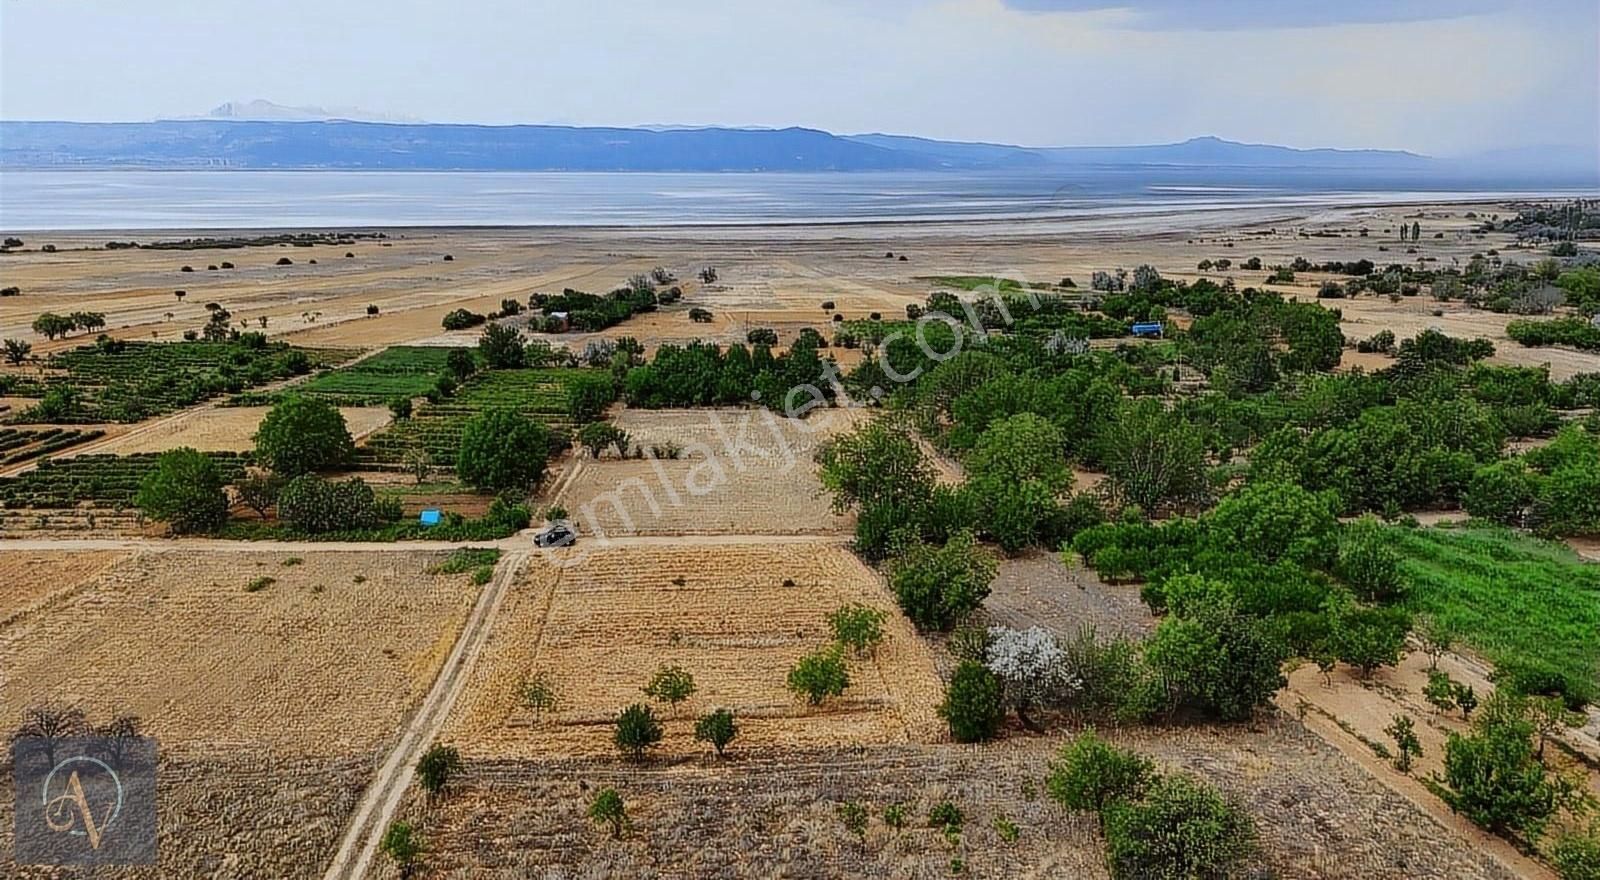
column 382, row 798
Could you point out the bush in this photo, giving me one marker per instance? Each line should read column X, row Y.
column 314, row 506
column 607, row 809
column 1181, row 830
column 302, row 435
column 637, row 731
column 937, row 586
column 1089, row 774
column 1577, row 856
column 671, row 685
column 1218, row 660
column 972, row 703
column 461, row 319
column 184, row 491
column 502, row 347
column 1501, row 492
column 588, row 395
column 502, row 449
column 857, row 627
column 819, row 675
column 436, row 766
column 404, row 845
column 1367, row 563
column 400, row 408
column 1494, row 778
column 717, row 728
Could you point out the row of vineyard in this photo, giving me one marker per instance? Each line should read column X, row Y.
column 436, row 428
column 102, row 481
column 20, row 445
column 118, row 381
column 402, row 371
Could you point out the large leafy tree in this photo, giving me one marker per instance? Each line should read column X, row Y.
column 877, row 463
column 1218, row 660
column 185, row 491
column 1153, row 458
column 302, row 435
column 937, row 586
column 502, row 449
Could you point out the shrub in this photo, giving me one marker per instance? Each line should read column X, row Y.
column 404, row 846
column 1367, row 563
column 1501, row 492
column 819, row 675
column 946, row 816
column 1089, row 774
column 184, row 491
column 588, row 395
column 1218, row 660
column 1031, row 667
column 435, row 768
column 857, row 627
column 607, row 809
column 1403, row 731
column 1181, row 830
column 400, row 408
column 259, row 491
column 637, row 731
column 717, row 728
column 671, row 685
column 502, row 449
column 502, row 347
column 937, row 586
column 301, row 435
column 1577, row 856
column 461, row 319
column 1493, row 777
column 972, row 704
column 314, row 505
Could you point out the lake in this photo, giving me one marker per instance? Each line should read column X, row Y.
column 1103, row 197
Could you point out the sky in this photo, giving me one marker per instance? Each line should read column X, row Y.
column 1440, row 77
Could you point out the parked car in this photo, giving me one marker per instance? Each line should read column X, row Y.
column 559, row 534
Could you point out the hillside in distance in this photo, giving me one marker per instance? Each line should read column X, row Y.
column 280, row 143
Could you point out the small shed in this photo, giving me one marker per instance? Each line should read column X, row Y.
column 430, row 517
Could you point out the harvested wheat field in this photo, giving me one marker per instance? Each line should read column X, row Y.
column 235, row 813
column 30, row 580
column 1320, row 818
column 598, row 626
column 748, row 432
column 317, row 656
column 748, row 495
column 226, row 429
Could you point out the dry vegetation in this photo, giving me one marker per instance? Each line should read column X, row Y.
column 226, row 429
column 597, row 630
column 309, row 660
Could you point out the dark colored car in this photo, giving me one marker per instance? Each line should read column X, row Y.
column 558, row 535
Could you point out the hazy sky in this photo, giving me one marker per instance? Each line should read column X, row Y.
column 1438, row 76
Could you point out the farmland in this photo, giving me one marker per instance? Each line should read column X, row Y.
column 227, row 429
column 323, row 658
column 28, row 579
column 436, row 427
column 20, row 445
column 724, row 612
column 128, row 381
column 400, row 371
column 1524, row 604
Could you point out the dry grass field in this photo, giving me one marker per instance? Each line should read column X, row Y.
column 30, row 580
column 1320, row 817
column 325, row 659
column 743, row 472
column 596, row 630
column 224, row 429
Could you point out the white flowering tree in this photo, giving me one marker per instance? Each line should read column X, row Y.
column 1032, row 667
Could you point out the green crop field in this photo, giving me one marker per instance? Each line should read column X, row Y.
column 401, row 371
column 130, row 381
column 107, row 481
column 17, row 446
column 539, row 393
column 1522, row 603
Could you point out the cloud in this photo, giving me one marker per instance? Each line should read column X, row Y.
column 1276, row 14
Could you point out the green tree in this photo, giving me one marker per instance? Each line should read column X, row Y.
column 876, row 464
column 1089, row 774
column 1278, row 520
column 461, row 363
column 1151, row 457
column 1021, row 448
column 819, row 675
column 1440, row 691
column 637, row 731
column 857, row 627
column 404, row 845
column 502, row 449
column 1181, row 830
column 937, row 586
column 598, row 436
column 1493, row 777
column 1367, row 562
column 259, row 490
column 1502, row 492
column 607, row 809
column 1218, row 660
column 435, row 768
column 1369, row 637
column 17, row 351
column 502, row 347
column 671, row 685
column 973, row 704
column 1403, row 731
column 302, row 435
column 717, row 728
column 185, row 491
column 588, row 395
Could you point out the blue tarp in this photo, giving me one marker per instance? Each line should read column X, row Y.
column 430, row 517
column 1147, row 329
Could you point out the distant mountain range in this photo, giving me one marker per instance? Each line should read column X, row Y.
column 235, row 136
